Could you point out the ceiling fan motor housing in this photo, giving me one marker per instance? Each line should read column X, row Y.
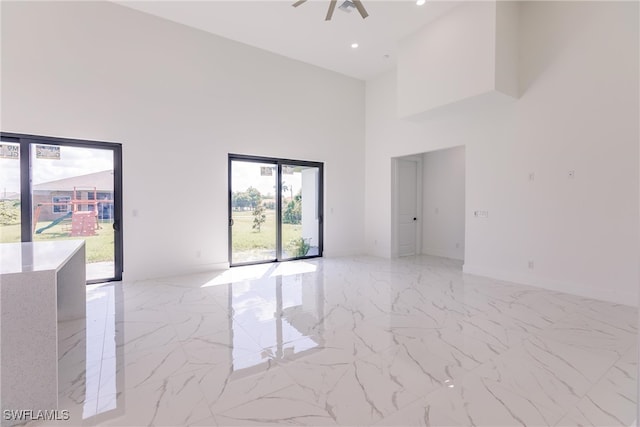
column 345, row 6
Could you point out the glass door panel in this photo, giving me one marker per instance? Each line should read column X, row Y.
column 72, row 197
column 300, row 211
column 253, row 212
column 9, row 193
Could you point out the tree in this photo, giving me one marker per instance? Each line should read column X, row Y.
column 293, row 211
column 239, row 200
column 254, row 197
column 259, row 217
column 246, row 199
column 9, row 212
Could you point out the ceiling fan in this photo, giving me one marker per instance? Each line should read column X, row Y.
column 346, row 5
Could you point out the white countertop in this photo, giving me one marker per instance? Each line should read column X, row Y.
column 36, row 256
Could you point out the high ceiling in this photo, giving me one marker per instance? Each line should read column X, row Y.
column 302, row 33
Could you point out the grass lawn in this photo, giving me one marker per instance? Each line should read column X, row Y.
column 251, row 244
column 99, row 247
column 248, row 243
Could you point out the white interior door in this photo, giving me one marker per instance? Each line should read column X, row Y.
column 407, row 207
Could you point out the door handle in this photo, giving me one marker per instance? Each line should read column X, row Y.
column 230, row 222
column 116, row 225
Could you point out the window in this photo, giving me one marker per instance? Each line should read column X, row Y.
column 60, row 204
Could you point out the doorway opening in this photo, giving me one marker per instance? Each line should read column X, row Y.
column 59, row 189
column 275, row 209
column 428, row 208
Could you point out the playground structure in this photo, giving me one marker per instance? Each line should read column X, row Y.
column 83, row 222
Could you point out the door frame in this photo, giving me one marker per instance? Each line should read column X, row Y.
column 278, row 162
column 395, row 203
column 26, row 208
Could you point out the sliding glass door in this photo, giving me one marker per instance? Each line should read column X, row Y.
column 275, row 209
column 300, row 220
column 60, row 189
column 253, row 212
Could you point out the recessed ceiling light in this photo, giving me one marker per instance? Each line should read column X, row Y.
column 420, row 2
column 354, row 45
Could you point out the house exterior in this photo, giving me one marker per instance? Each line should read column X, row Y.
column 55, row 197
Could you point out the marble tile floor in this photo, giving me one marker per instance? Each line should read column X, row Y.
column 347, row 341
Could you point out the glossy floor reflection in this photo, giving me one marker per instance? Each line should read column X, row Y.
column 349, row 341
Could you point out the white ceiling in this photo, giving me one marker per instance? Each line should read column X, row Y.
column 302, row 33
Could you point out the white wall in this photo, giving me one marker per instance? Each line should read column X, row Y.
column 506, row 41
column 578, row 111
column 459, row 57
column 434, row 63
column 443, row 173
column 179, row 100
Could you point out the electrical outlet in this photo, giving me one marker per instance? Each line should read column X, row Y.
column 481, row 214
column 530, row 264
column 532, row 176
column 572, row 174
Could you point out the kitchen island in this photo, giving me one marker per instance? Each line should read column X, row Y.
column 41, row 284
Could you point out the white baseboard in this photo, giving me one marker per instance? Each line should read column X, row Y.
column 336, row 253
column 174, row 272
column 442, row 253
column 212, row 266
column 603, row 294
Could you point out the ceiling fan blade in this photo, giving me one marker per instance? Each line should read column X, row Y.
column 332, row 7
column 298, row 3
column 360, row 7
